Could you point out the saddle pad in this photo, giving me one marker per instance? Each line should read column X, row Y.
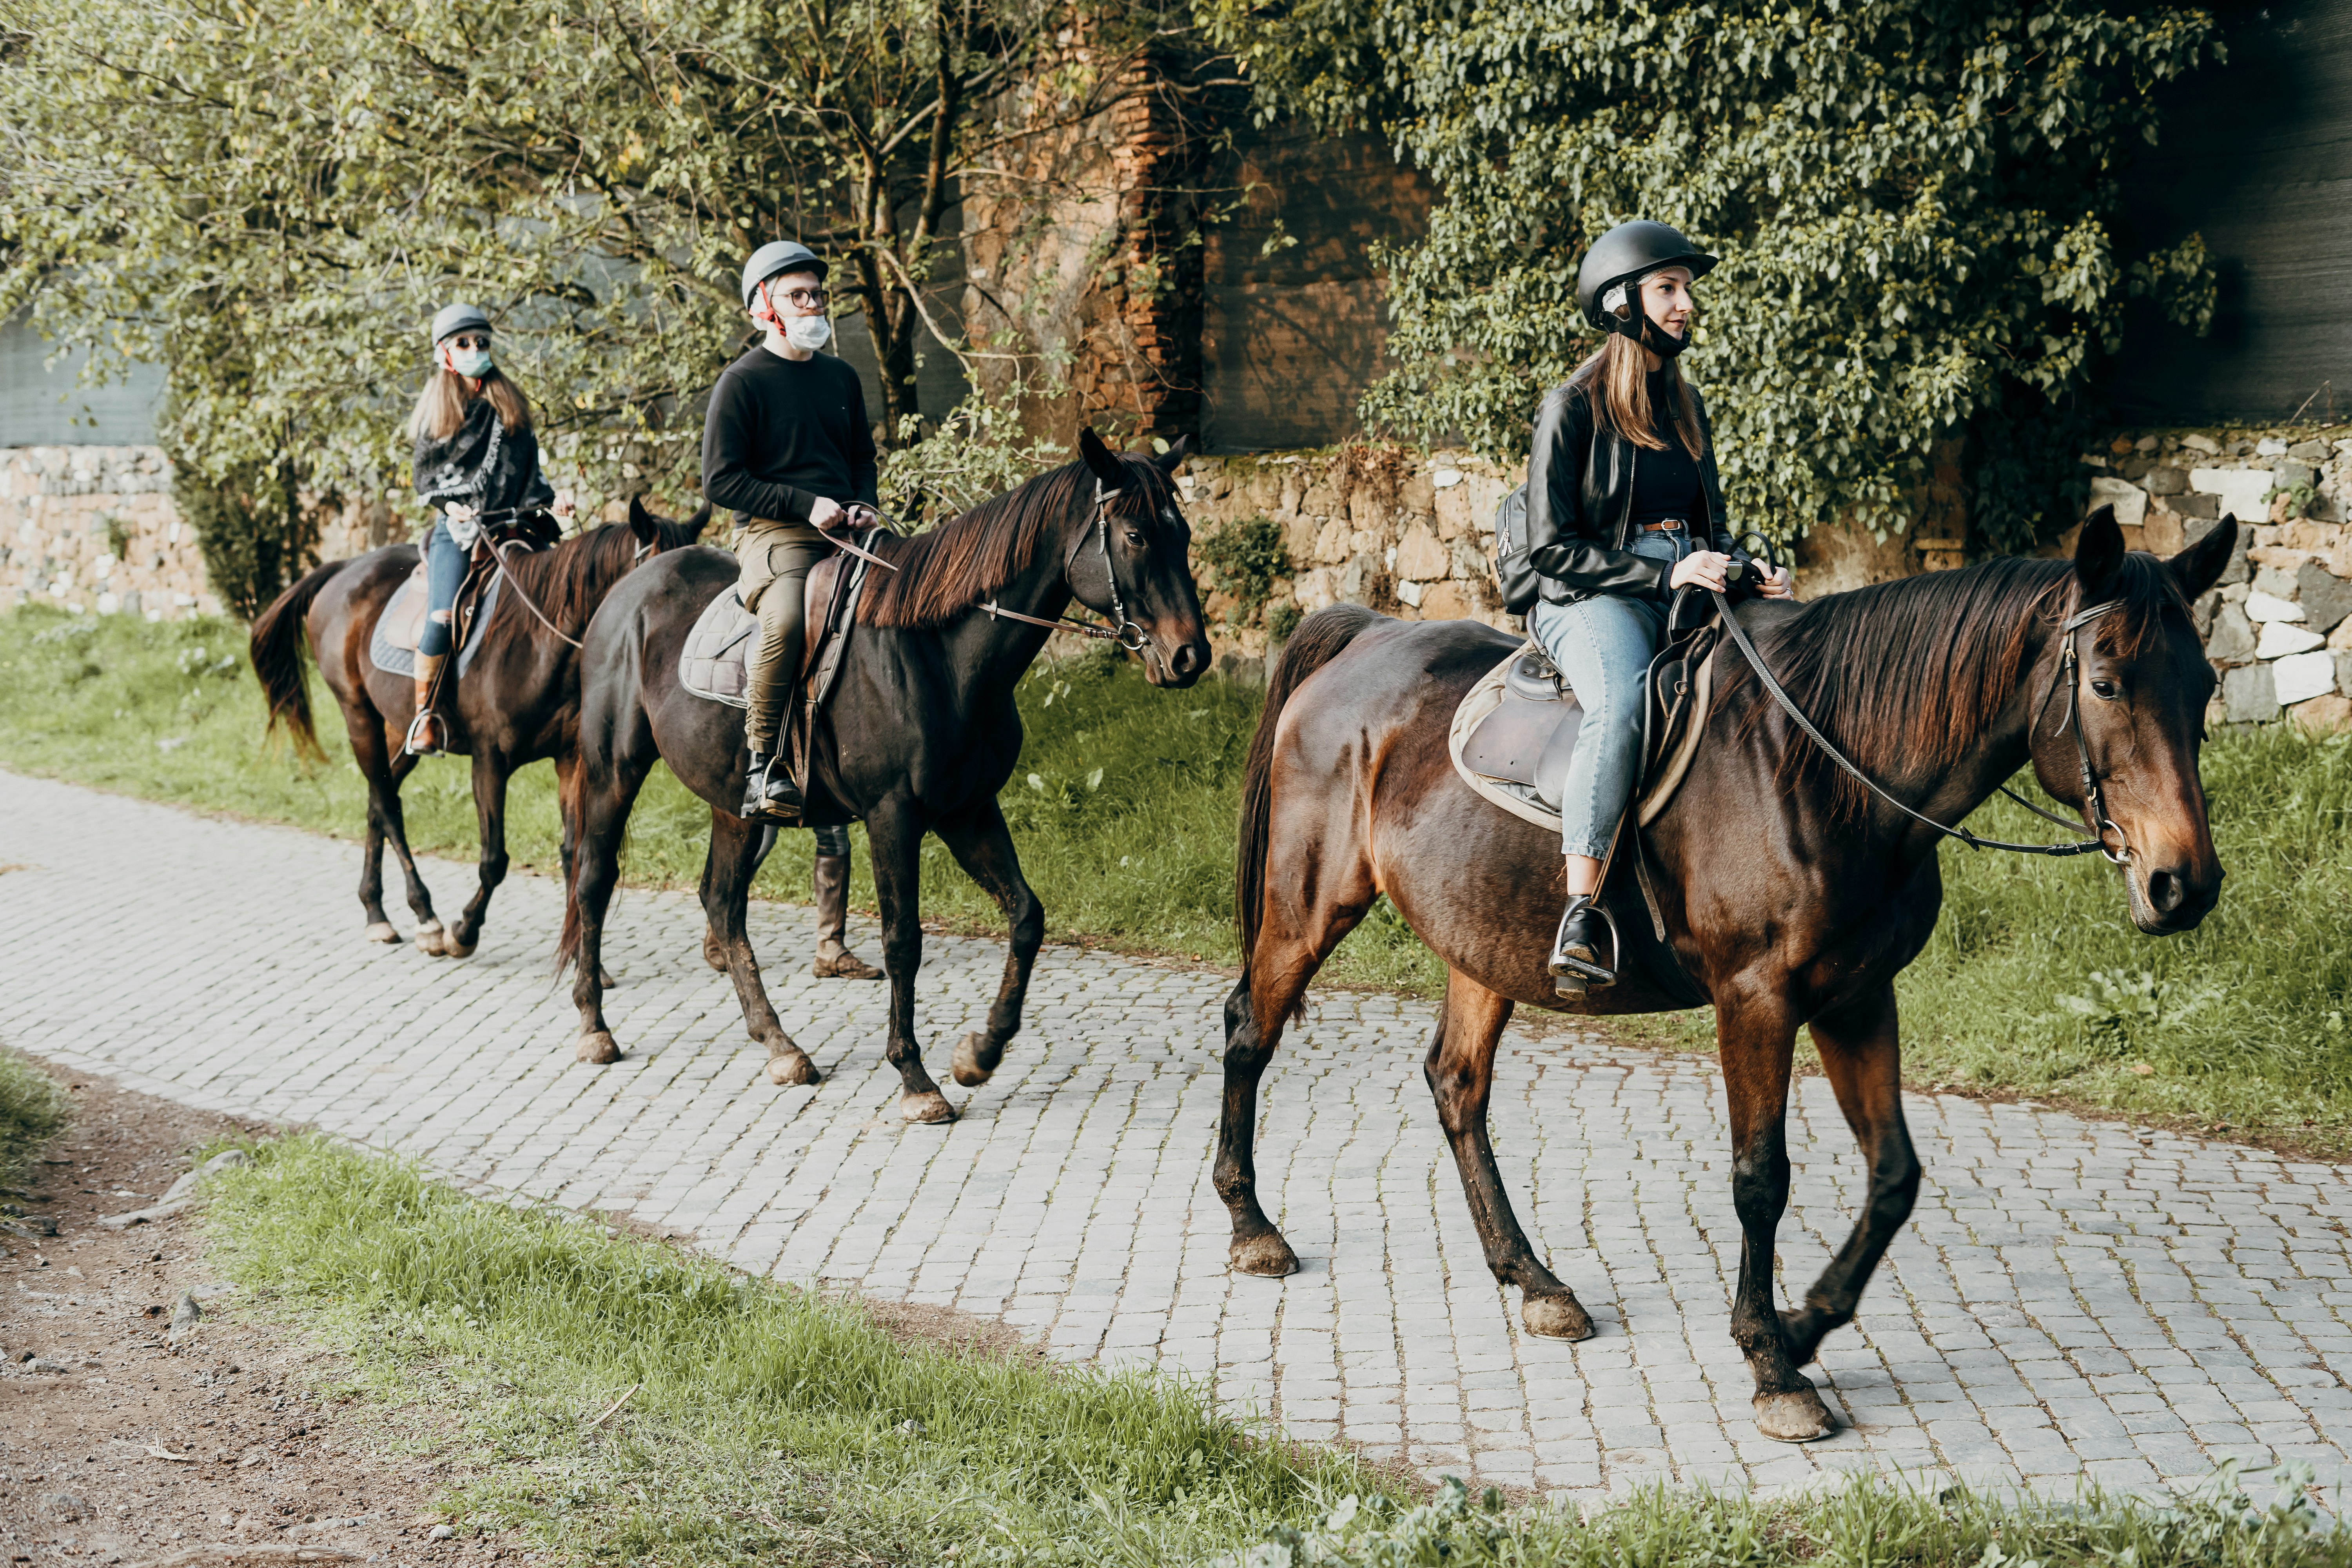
column 712, row 664
column 1538, row 745
column 392, row 646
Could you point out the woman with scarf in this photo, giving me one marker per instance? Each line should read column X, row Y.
column 475, row 455
column 1623, row 507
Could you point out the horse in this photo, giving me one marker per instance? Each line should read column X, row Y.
column 1785, row 892
column 921, row 730
column 518, row 702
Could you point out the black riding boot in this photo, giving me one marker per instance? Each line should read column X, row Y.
column 769, row 793
column 1576, row 952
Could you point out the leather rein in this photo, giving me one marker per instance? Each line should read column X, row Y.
column 1139, row 639
column 2068, row 673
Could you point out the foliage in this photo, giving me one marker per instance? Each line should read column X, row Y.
column 1915, row 203
column 252, row 528
column 307, row 183
column 1246, row 558
column 982, row 448
column 33, row 1109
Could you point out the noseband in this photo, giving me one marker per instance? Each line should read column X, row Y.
column 2068, row 673
column 1124, row 632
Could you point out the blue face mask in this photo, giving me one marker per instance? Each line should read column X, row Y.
column 474, row 363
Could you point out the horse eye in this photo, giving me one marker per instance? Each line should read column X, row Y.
column 2104, row 690
column 1134, row 539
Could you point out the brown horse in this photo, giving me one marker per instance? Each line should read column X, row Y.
column 518, row 701
column 1789, row 897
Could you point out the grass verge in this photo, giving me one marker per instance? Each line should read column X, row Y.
column 33, row 1109
column 1124, row 803
column 766, row 1424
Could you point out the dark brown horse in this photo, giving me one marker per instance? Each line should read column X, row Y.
column 920, row 734
column 1789, row 896
column 518, row 702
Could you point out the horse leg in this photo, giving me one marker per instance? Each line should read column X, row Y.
column 567, row 805
column 896, row 838
column 605, row 796
column 385, row 772
column 490, row 771
column 714, row 949
column 1756, row 1037
column 1862, row 1058
column 1461, row 1073
column 982, row 846
column 726, row 898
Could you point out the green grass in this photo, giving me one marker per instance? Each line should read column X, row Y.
column 33, row 1109
column 766, row 1424
column 1123, row 807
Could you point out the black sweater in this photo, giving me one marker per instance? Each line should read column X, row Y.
column 780, row 433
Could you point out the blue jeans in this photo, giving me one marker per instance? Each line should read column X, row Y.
column 1602, row 645
column 445, row 569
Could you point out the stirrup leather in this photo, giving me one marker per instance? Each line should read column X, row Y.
column 1591, row 970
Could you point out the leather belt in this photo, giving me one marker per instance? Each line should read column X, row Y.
column 1671, row 522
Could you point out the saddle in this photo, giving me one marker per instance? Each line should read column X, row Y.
column 392, row 646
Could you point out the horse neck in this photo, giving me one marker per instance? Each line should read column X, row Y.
column 550, row 577
column 990, row 653
column 1988, row 761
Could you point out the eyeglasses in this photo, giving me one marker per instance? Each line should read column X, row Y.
column 800, row 298
column 469, row 340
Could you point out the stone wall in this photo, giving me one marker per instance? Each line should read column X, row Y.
column 93, row 527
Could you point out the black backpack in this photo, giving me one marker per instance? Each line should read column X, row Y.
column 1520, row 582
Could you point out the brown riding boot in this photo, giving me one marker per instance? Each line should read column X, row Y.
column 833, row 960
column 424, row 730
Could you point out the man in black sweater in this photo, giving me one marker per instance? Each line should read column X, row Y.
column 786, row 444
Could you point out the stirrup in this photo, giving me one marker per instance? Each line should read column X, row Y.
column 1575, row 973
column 410, row 744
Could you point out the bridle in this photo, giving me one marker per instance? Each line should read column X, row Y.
column 2069, row 675
column 1126, row 633
column 499, row 548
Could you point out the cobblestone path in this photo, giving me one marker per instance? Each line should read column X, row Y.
column 2070, row 1299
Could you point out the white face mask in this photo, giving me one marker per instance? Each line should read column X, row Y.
column 808, row 333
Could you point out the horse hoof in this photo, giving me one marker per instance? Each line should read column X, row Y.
column 714, row 952
column 1268, row 1256
column 597, row 1046
column 380, row 931
column 967, row 1068
column 452, row 948
column 790, row 1068
column 1556, row 1318
column 1797, row 1416
column 429, row 938
column 933, row 1107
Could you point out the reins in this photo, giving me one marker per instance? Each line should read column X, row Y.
column 2069, row 666
column 1142, row 639
column 499, row 548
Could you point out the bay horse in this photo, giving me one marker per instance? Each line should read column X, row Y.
column 921, row 730
column 1790, row 896
column 518, row 702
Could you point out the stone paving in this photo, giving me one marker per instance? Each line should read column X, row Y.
column 2072, row 1299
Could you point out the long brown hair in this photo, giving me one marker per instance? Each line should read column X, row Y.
column 1617, row 380
column 441, row 406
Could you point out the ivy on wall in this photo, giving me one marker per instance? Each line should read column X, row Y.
column 1914, row 201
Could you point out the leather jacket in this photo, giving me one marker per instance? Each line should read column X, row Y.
column 1580, row 498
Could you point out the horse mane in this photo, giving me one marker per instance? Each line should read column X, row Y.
column 569, row 581
column 947, row 571
column 1903, row 677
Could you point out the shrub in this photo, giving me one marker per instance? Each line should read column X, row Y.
column 1246, row 559
column 255, row 534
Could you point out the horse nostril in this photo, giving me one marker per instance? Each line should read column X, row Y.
column 2166, row 892
column 1187, row 660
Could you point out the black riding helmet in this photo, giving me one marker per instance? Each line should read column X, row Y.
column 1624, row 256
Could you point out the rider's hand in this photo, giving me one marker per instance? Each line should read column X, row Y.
column 457, row 511
column 863, row 516
column 1775, row 582
column 563, row 506
column 1704, row 567
column 825, row 510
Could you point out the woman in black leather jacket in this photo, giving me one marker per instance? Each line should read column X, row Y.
column 1623, row 506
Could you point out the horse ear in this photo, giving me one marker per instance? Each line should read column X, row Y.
column 2198, row 567
column 1108, row 471
column 641, row 521
column 2099, row 553
column 699, row 521
column 1171, row 459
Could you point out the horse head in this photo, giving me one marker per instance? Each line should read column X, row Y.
column 656, row 533
column 1145, row 576
column 2118, row 729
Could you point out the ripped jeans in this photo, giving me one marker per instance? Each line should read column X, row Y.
column 1602, row 646
column 445, row 569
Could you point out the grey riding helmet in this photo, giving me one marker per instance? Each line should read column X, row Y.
column 457, row 319
column 779, row 256
column 1627, row 254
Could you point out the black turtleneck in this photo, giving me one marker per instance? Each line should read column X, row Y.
column 1666, row 484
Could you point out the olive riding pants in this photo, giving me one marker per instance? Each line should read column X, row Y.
column 776, row 558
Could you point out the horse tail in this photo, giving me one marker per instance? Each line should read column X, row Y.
column 1320, row 638
column 278, row 633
